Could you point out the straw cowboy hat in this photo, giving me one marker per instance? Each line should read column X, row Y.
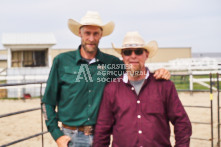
column 134, row 40
column 91, row 18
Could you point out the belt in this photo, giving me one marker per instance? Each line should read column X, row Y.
column 86, row 129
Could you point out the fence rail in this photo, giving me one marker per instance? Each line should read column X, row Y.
column 41, row 83
column 19, row 112
column 23, row 139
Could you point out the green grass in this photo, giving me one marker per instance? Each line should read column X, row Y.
column 2, row 81
column 182, row 82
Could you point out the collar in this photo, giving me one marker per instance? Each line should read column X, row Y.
column 92, row 61
column 99, row 56
column 125, row 76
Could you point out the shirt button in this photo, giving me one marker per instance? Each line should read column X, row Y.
column 138, row 101
column 88, row 119
column 97, row 60
column 140, row 132
column 89, row 90
column 132, row 88
column 138, row 116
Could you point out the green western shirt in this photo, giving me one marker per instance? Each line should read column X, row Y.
column 75, row 87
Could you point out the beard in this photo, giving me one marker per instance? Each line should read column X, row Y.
column 90, row 49
column 134, row 70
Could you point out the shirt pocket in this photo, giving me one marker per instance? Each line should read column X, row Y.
column 153, row 107
column 70, row 75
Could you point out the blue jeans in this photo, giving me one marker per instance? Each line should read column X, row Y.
column 78, row 139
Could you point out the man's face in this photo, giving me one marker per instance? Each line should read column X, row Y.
column 90, row 37
column 134, row 59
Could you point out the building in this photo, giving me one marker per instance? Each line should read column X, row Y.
column 28, row 60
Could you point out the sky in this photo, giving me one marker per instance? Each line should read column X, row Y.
column 172, row 23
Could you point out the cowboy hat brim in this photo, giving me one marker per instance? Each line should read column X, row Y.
column 151, row 47
column 74, row 26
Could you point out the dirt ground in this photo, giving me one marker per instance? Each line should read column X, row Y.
column 23, row 125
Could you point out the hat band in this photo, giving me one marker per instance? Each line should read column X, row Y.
column 133, row 45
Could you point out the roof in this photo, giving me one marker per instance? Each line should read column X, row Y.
column 212, row 55
column 28, row 38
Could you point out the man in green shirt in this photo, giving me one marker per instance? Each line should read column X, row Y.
column 76, row 82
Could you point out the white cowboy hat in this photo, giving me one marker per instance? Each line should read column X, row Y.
column 91, row 18
column 134, row 40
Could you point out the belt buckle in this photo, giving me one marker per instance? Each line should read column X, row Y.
column 88, row 130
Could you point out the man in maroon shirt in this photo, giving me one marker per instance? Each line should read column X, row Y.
column 136, row 108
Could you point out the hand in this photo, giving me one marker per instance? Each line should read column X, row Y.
column 63, row 141
column 162, row 74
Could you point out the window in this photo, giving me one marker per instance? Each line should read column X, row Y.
column 29, row 58
column 16, row 59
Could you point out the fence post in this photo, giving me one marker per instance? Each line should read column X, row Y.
column 211, row 105
column 191, row 82
column 42, row 136
column 218, row 109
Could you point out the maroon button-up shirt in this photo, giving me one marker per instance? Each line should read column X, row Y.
column 141, row 120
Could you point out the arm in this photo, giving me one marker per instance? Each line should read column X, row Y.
column 162, row 74
column 104, row 123
column 50, row 100
column 178, row 117
column 52, row 125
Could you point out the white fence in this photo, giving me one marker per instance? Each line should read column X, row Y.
column 24, row 75
column 189, row 64
column 21, row 90
column 202, row 81
column 191, row 67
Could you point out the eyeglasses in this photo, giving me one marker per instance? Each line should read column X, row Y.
column 128, row 52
